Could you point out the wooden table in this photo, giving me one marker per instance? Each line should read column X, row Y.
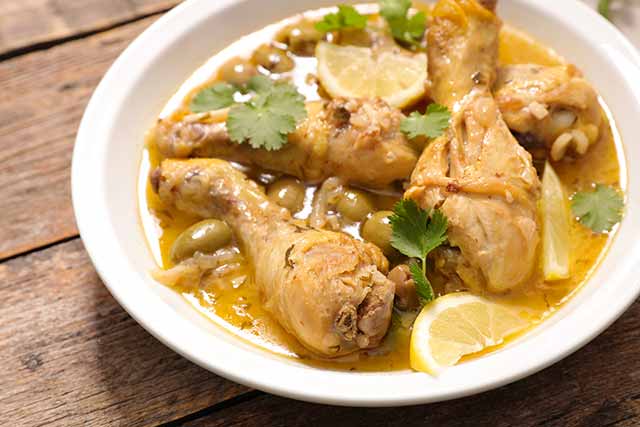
column 71, row 356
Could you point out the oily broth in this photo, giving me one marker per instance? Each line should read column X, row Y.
column 233, row 302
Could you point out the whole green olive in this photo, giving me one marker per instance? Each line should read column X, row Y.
column 237, row 71
column 355, row 37
column 377, row 230
column 301, row 37
column 287, row 192
column 355, row 205
column 272, row 58
column 205, row 236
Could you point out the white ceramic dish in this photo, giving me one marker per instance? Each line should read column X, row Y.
column 107, row 155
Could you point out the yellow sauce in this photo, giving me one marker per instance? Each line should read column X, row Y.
column 234, row 302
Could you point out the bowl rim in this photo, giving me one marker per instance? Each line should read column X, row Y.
column 247, row 367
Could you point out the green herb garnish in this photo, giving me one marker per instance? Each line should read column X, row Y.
column 405, row 29
column 600, row 209
column 213, row 98
column 346, row 17
column 423, row 287
column 416, row 232
column 272, row 111
column 432, row 124
column 603, row 8
column 268, row 117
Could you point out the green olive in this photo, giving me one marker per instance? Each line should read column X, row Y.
column 237, row 71
column 273, row 59
column 355, row 205
column 377, row 230
column 301, row 37
column 205, row 236
column 355, row 37
column 288, row 193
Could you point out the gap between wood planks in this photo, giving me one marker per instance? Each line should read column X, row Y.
column 226, row 404
column 47, row 44
column 40, row 248
column 44, row 95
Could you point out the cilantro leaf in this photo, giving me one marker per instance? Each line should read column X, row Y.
column 330, row 22
column 268, row 117
column 351, row 17
column 394, row 9
column 415, row 233
column 603, row 8
column 422, row 284
column 286, row 100
column 260, row 84
column 405, row 29
column 416, row 26
column 409, row 224
column 436, row 231
column 432, row 124
column 213, row 98
column 346, row 17
column 600, row 209
column 259, row 126
column 265, row 120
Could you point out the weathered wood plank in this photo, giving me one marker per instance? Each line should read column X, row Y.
column 42, row 100
column 71, row 356
column 597, row 386
column 27, row 22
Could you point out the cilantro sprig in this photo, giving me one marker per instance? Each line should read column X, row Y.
column 346, row 17
column 406, row 29
column 213, row 98
column 603, row 8
column 415, row 233
column 265, row 119
column 600, row 209
column 268, row 117
column 432, row 124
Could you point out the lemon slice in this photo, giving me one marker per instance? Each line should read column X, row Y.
column 555, row 226
column 359, row 72
column 456, row 325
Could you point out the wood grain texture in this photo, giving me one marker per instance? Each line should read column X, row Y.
column 42, row 100
column 71, row 356
column 28, row 22
column 597, row 386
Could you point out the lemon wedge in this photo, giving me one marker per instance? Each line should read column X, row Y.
column 359, row 72
column 555, row 226
column 456, row 325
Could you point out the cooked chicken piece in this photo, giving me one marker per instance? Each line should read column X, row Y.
column 554, row 105
column 406, row 295
column 358, row 141
column 326, row 288
column 477, row 173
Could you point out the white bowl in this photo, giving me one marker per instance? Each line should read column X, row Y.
column 107, row 156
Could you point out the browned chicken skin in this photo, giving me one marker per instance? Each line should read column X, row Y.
column 326, row 288
column 358, row 141
column 476, row 173
column 554, row 105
